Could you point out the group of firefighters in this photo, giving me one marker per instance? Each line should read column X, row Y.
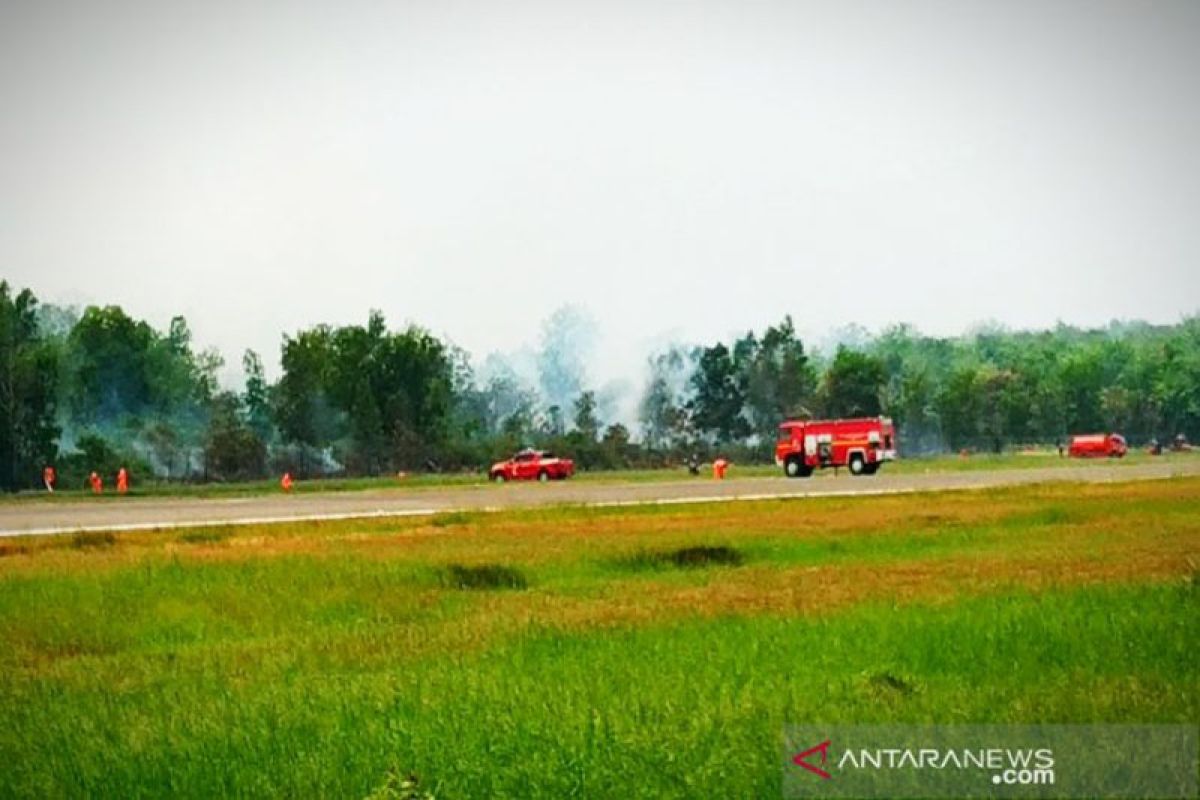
column 50, row 479
column 96, row 483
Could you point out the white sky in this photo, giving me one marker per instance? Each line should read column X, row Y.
column 680, row 169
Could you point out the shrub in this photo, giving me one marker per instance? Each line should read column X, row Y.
column 204, row 536
column 484, row 576
column 685, row 557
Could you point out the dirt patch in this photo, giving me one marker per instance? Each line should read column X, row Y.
column 12, row 549
column 87, row 540
column 452, row 518
column 202, row 536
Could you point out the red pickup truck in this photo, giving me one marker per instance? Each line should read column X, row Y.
column 529, row 465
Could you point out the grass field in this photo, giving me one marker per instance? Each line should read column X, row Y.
column 639, row 652
column 419, row 481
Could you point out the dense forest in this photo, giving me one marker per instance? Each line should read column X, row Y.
column 95, row 389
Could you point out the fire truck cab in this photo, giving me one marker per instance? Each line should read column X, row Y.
column 861, row 445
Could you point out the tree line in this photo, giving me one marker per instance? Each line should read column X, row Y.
column 988, row 390
column 97, row 389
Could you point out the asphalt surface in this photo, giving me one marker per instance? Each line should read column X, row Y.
column 49, row 517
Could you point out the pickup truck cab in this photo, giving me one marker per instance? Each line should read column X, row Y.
column 530, row 465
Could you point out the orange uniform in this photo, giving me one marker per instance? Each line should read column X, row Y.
column 122, row 480
column 719, row 467
column 48, row 478
column 97, row 483
column 285, row 482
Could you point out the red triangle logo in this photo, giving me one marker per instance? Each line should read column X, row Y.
column 823, row 749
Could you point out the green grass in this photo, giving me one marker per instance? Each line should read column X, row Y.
column 693, row 708
column 640, row 652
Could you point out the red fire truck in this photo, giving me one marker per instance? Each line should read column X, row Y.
column 1098, row 445
column 861, row 444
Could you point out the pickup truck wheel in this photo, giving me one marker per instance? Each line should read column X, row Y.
column 543, row 476
column 857, row 465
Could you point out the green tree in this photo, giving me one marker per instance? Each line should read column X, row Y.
column 233, row 451
column 168, row 449
column 175, row 379
column 662, row 412
column 28, row 370
column 384, row 398
column 110, row 366
column 124, row 380
column 778, row 377
column 853, row 384
column 301, row 411
column 469, row 423
column 586, row 423
column 551, row 423
column 1178, row 387
column 658, row 414
column 1082, row 376
column 997, row 413
column 566, row 342
column 366, row 429
column 719, row 398
column 914, row 408
column 616, row 446
column 506, row 397
column 959, row 407
column 257, row 397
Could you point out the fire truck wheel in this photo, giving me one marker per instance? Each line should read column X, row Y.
column 870, row 469
column 795, row 468
column 498, row 477
column 857, row 465
column 543, row 476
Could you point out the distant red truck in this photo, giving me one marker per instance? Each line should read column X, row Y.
column 1098, row 445
column 861, row 445
column 530, row 465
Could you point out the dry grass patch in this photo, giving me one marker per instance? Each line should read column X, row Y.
column 808, row 590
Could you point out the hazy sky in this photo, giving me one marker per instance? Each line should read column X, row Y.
column 680, row 169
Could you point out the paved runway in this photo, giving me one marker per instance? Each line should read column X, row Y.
column 46, row 517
